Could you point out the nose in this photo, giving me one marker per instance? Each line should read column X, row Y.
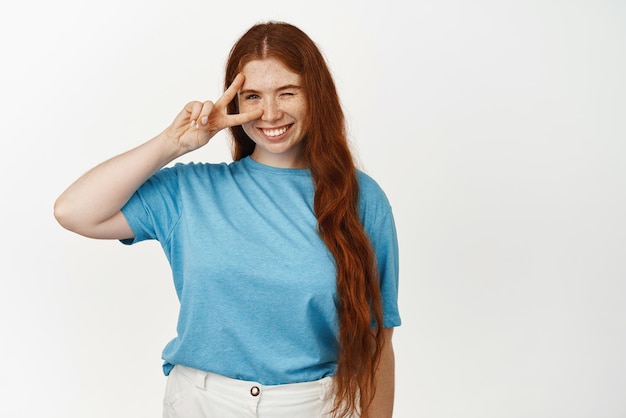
column 271, row 111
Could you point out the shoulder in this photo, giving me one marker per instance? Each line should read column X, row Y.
column 198, row 167
column 369, row 188
column 191, row 170
column 373, row 202
column 180, row 176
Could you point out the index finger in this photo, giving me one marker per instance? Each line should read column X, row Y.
column 230, row 92
column 241, row 118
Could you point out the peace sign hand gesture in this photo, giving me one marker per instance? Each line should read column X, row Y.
column 198, row 122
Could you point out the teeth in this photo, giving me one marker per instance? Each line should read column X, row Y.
column 275, row 132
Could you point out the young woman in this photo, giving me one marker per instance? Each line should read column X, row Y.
column 285, row 261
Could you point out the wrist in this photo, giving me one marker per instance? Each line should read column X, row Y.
column 170, row 148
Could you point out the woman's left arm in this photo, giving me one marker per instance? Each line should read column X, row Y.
column 382, row 404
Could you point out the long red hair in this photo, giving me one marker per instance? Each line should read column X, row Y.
column 327, row 153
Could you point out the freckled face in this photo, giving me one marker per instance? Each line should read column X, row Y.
column 279, row 133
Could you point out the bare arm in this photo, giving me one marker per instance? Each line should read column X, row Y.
column 92, row 205
column 382, row 404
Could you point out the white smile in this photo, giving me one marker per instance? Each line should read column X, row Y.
column 275, row 131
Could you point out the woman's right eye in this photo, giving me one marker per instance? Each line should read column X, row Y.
column 252, row 96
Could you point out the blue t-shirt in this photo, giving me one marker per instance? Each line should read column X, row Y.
column 256, row 284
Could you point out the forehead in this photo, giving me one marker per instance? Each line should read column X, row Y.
column 268, row 74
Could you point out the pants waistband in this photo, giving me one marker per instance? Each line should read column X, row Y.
column 206, row 380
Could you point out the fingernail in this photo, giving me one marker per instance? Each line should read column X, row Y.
column 205, row 120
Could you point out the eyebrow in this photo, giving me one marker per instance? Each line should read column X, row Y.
column 286, row 87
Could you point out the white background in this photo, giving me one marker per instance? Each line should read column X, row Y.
column 497, row 129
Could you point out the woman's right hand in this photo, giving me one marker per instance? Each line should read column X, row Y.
column 198, row 122
column 91, row 206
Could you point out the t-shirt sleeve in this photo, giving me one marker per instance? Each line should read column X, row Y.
column 385, row 242
column 377, row 217
column 153, row 209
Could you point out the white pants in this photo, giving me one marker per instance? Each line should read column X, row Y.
column 192, row 393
